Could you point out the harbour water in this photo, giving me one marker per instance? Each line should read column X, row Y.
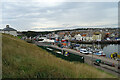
column 111, row 48
column 107, row 48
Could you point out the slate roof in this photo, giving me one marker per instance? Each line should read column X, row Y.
column 8, row 29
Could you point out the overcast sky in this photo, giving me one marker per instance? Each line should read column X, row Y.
column 44, row 16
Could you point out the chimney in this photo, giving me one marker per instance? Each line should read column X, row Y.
column 7, row 26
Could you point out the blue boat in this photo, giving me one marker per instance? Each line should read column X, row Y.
column 100, row 53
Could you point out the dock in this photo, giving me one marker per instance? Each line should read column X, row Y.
column 108, row 65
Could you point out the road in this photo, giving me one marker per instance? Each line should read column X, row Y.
column 90, row 58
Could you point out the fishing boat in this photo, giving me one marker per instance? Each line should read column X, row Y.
column 84, row 51
column 99, row 53
column 90, row 52
column 115, row 55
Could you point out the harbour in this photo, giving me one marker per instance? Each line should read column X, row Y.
column 108, row 49
column 109, row 65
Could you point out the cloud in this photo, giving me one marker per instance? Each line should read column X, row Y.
column 60, row 0
column 58, row 15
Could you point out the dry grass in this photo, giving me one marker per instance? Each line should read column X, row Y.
column 24, row 60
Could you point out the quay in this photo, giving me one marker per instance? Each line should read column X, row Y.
column 96, row 42
column 108, row 65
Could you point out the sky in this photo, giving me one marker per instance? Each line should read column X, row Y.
column 47, row 16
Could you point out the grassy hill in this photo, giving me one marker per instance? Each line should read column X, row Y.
column 24, row 60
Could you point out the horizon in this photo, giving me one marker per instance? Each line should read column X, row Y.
column 65, row 29
column 50, row 16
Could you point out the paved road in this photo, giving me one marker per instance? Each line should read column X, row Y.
column 89, row 59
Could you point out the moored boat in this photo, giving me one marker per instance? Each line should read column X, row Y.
column 84, row 51
column 115, row 55
column 100, row 53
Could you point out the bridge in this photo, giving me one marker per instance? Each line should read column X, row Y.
column 108, row 65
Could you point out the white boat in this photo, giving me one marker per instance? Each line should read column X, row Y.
column 84, row 51
column 90, row 52
column 100, row 53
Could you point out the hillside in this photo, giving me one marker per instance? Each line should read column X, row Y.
column 24, row 60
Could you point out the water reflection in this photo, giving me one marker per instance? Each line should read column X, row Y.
column 111, row 48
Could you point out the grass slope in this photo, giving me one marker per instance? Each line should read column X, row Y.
column 23, row 60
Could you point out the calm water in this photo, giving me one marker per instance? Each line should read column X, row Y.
column 111, row 48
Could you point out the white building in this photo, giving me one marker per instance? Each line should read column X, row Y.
column 9, row 30
column 78, row 37
column 97, row 37
column 67, row 37
column 88, row 38
column 56, row 35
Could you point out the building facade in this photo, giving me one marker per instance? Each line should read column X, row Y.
column 9, row 30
